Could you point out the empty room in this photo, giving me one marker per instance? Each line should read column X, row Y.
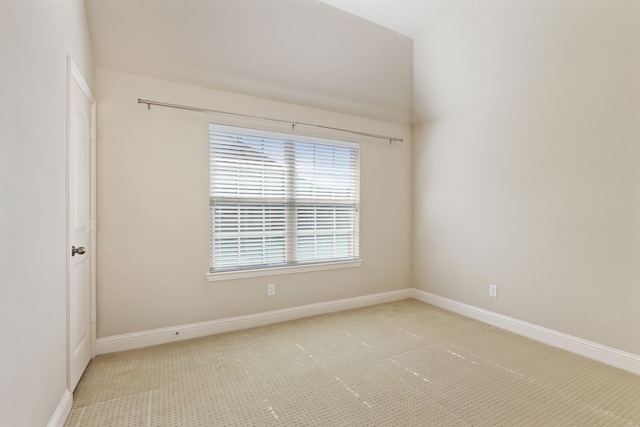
column 319, row 212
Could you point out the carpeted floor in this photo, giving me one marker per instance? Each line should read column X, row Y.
column 404, row 363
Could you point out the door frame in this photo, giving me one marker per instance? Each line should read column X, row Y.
column 74, row 76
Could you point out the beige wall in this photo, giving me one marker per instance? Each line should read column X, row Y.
column 302, row 52
column 153, row 210
column 532, row 181
column 35, row 39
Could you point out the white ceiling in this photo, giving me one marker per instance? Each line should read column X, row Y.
column 299, row 51
column 407, row 17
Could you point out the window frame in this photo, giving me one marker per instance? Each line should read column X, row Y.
column 277, row 269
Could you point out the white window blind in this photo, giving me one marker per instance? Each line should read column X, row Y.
column 281, row 200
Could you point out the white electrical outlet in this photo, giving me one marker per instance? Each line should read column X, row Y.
column 493, row 291
column 271, row 289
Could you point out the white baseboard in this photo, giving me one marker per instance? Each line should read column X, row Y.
column 196, row 330
column 63, row 410
column 611, row 356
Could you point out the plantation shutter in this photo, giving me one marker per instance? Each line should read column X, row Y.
column 281, row 200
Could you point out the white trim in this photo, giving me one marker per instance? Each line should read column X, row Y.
column 76, row 75
column 611, row 356
column 272, row 271
column 94, row 214
column 261, row 133
column 196, row 330
column 63, row 410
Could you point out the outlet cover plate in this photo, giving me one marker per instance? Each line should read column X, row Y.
column 493, row 291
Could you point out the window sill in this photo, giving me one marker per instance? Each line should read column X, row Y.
column 260, row 272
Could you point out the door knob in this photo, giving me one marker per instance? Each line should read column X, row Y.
column 80, row 251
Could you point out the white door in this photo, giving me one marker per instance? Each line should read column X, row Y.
column 81, row 255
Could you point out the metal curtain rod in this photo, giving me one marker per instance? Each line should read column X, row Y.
column 264, row 119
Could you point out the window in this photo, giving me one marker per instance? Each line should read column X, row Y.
column 280, row 200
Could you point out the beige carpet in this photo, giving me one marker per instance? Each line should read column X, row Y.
column 398, row 364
